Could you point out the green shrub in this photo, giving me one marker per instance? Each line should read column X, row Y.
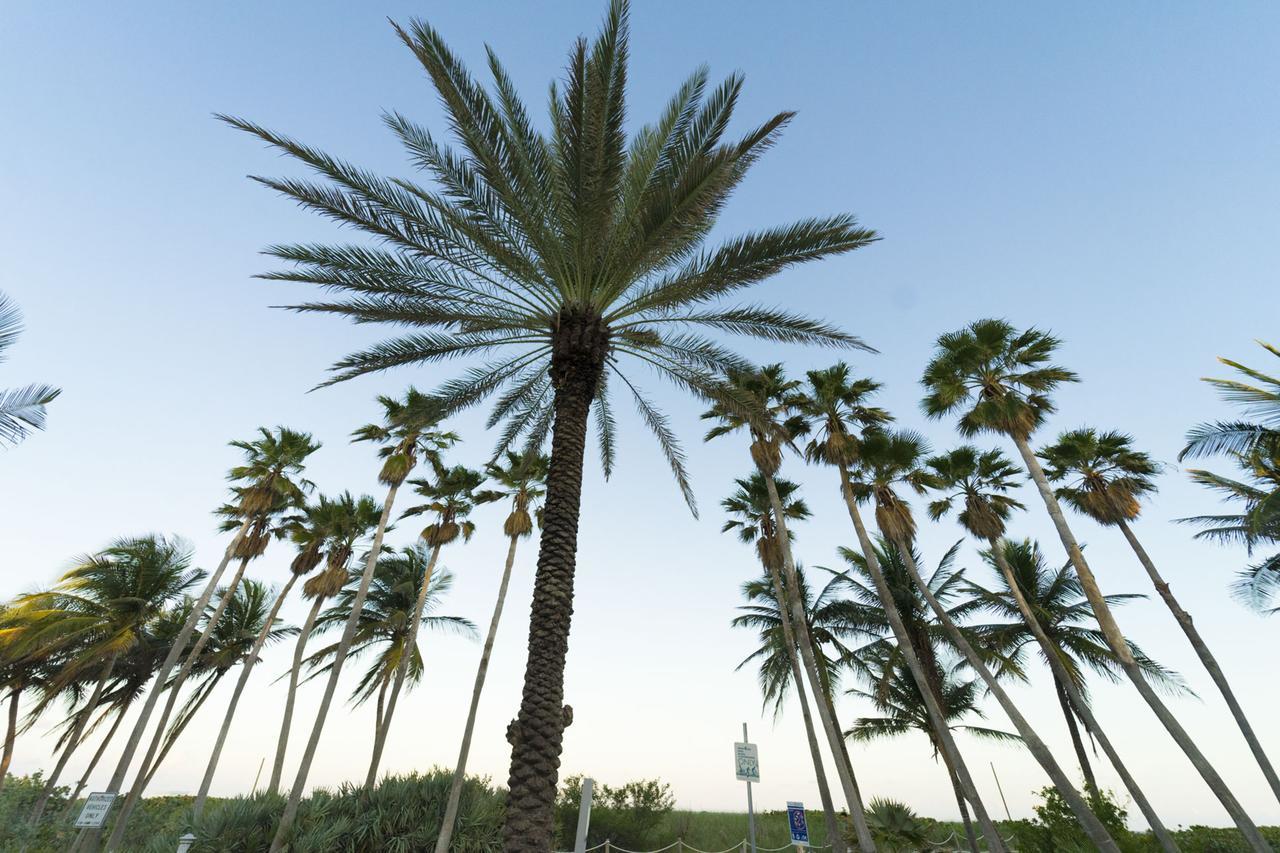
column 1056, row 830
column 630, row 815
column 895, row 827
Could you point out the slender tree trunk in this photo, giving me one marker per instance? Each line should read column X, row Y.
column 180, row 725
column 295, row 672
column 246, row 668
column 10, row 734
column 402, row 670
column 1079, row 707
column 1206, row 658
column 970, row 836
column 1120, row 647
column 1088, row 820
column 949, row 750
column 93, row 762
column 537, row 733
column 1077, row 743
column 90, row 841
column 381, row 704
column 73, row 740
column 339, row 657
column 460, row 771
column 804, row 642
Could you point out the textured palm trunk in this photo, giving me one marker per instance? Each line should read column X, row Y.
column 1077, row 706
column 93, row 762
column 1077, row 743
column 402, row 671
column 537, row 733
column 950, row 752
column 1079, row 807
column 460, row 771
column 10, row 733
column 290, row 812
column 1115, row 639
column 246, row 668
column 804, row 642
column 295, row 672
column 73, row 740
column 1206, row 658
column 89, row 842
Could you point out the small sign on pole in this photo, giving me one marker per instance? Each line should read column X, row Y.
column 94, row 813
column 798, row 824
column 747, row 762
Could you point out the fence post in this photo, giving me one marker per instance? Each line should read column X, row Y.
column 608, row 848
column 679, row 845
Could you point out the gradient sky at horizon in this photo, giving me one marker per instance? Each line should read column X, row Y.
column 1108, row 171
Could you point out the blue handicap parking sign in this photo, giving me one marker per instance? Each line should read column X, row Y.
column 798, row 824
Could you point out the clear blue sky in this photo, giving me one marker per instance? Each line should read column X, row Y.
column 1109, row 171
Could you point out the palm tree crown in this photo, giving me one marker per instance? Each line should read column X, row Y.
column 979, row 480
column 837, row 407
column 1104, row 477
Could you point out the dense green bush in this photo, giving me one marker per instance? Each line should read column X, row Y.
column 156, row 816
column 630, row 815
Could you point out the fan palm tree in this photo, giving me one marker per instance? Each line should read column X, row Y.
column 406, row 435
column 452, row 494
column 979, row 483
column 1103, row 477
column 763, row 404
column 887, row 462
column 21, row 409
column 328, row 531
column 522, row 481
column 999, row 379
column 266, row 484
column 566, row 251
column 1259, row 395
column 839, row 417
column 751, row 515
column 98, row 611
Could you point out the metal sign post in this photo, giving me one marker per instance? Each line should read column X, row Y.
column 798, row 824
column 584, row 816
column 746, row 759
column 94, row 813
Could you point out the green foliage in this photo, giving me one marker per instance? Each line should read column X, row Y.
column 155, row 818
column 631, row 815
column 895, row 827
column 1055, row 829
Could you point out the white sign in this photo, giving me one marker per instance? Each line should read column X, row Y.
column 94, row 813
column 798, row 824
column 747, row 762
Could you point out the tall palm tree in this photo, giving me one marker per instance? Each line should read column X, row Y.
column 452, row 494
column 570, row 249
column 887, row 462
column 1103, row 477
column 407, row 434
column 751, row 515
column 328, row 530
column 21, row 409
column 99, row 610
column 979, row 482
column 1258, row 394
column 268, row 482
column 763, row 404
column 522, row 481
column 999, row 379
column 839, row 418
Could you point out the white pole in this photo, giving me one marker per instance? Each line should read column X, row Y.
column 584, row 817
column 751, row 811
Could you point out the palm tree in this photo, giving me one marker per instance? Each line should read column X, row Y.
column 840, row 418
column 1000, row 380
column 1104, row 478
column 452, row 494
column 21, row 409
column 763, row 403
column 522, row 481
column 1259, row 395
column 892, row 460
column 328, row 530
column 570, row 249
column 980, row 482
column 386, row 627
column 406, row 435
column 267, row 483
column 1049, row 609
column 98, row 611
column 768, row 611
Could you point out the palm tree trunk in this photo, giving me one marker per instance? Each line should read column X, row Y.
column 1078, row 706
column 402, row 671
column 180, row 725
column 90, row 841
column 245, row 669
column 1088, row 820
column 804, row 642
column 93, row 762
column 460, row 772
column 295, row 672
column 537, row 733
column 73, row 740
column 339, row 657
column 1077, row 743
column 970, row 836
column 950, row 752
column 10, row 734
column 1119, row 646
column 1206, row 658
